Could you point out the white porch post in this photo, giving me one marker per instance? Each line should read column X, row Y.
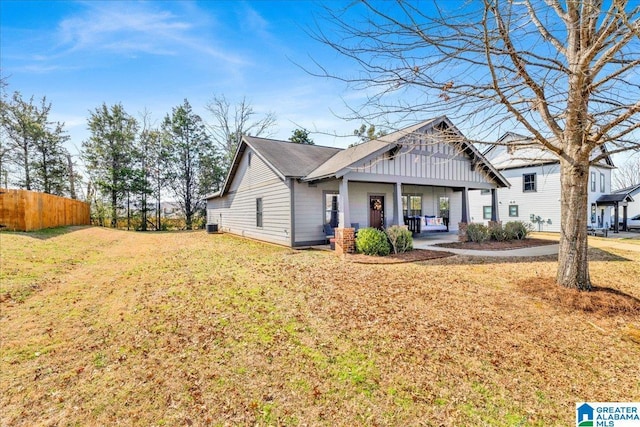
column 344, row 219
column 399, row 220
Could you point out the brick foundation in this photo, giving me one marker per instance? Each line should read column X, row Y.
column 345, row 241
column 462, row 232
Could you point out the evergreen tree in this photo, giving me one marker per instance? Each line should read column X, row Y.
column 50, row 165
column 187, row 150
column 301, row 136
column 109, row 153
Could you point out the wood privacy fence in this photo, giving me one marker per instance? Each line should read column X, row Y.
column 22, row 210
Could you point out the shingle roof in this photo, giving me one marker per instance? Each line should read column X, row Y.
column 629, row 190
column 346, row 158
column 615, row 197
column 288, row 158
column 313, row 162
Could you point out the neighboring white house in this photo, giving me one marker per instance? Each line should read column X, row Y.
column 633, row 202
column 283, row 192
column 534, row 194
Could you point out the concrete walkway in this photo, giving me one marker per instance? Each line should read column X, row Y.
column 428, row 242
column 613, row 241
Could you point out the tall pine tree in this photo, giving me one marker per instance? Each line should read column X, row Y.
column 108, row 153
column 189, row 154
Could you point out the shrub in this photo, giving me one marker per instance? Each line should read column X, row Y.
column 497, row 232
column 372, row 241
column 477, row 232
column 517, row 229
column 400, row 238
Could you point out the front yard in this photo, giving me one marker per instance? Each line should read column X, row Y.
column 105, row 327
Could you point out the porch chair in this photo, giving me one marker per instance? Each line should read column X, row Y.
column 329, row 233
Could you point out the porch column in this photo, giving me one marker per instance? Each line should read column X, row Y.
column 495, row 215
column 624, row 217
column 465, row 205
column 399, row 220
column 616, row 215
column 344, row 219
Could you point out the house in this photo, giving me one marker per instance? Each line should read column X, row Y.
column 284, row 193
column 534, row 194
column 631, row 209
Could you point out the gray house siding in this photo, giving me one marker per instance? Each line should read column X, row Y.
column 235, row 212
column 309, row 211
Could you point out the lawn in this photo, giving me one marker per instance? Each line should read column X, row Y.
column 105, row 327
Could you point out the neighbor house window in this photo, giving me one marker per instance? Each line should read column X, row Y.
column 528, row 182
column 602, row 183
column 513, row 210
column 593, row 181
column 249, row 159
column 486, row 212
column 259, row 212
column 331, row 209
column 412, row 205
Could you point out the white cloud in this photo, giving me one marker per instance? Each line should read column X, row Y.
column 131, row 28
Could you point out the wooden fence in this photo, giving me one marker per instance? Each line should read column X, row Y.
column 22, row 210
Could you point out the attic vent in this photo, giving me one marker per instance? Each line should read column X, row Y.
column 392, row 153
column 511, row 148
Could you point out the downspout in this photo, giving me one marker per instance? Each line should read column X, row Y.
column 292, row 220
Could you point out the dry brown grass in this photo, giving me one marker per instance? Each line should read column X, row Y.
column 103, row 327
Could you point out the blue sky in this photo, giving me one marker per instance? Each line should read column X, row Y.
column 154, row 54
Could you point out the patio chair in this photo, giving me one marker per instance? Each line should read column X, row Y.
column 329, row 233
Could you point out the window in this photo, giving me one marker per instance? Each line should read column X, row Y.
column 249, row 159
column 485, row 192
column 528, row 182
column 443, row 203
column 331, row 209
column 602, row 183
column 513, row 210
column 486, row 212
column 412, row 205
column 259, row 212
column 593, row 181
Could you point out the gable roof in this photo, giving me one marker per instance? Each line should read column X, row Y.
column 314, row 162
column 287, row 159
column 629, row 190
column 526, row 153
column 614, row 198
column 290, row 159
column 348, row 159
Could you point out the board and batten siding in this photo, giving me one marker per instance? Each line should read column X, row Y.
column 435, row 164
column 235, row 211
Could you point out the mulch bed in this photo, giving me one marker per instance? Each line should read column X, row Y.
column 411, row 256
column 493, row 245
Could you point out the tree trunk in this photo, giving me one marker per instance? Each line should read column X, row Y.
column 573, row 262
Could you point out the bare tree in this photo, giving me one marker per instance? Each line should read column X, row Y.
column 563, row 71
column 627, row 174
column 231, row 122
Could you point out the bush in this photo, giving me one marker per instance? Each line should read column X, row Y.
column 400, row 238
column 517, row 229
column 497, row 232
column 477, row 233
column 372, row 241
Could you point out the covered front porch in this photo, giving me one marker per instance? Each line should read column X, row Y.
column 422, row 208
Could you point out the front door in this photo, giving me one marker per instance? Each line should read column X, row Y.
column 376, row 211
